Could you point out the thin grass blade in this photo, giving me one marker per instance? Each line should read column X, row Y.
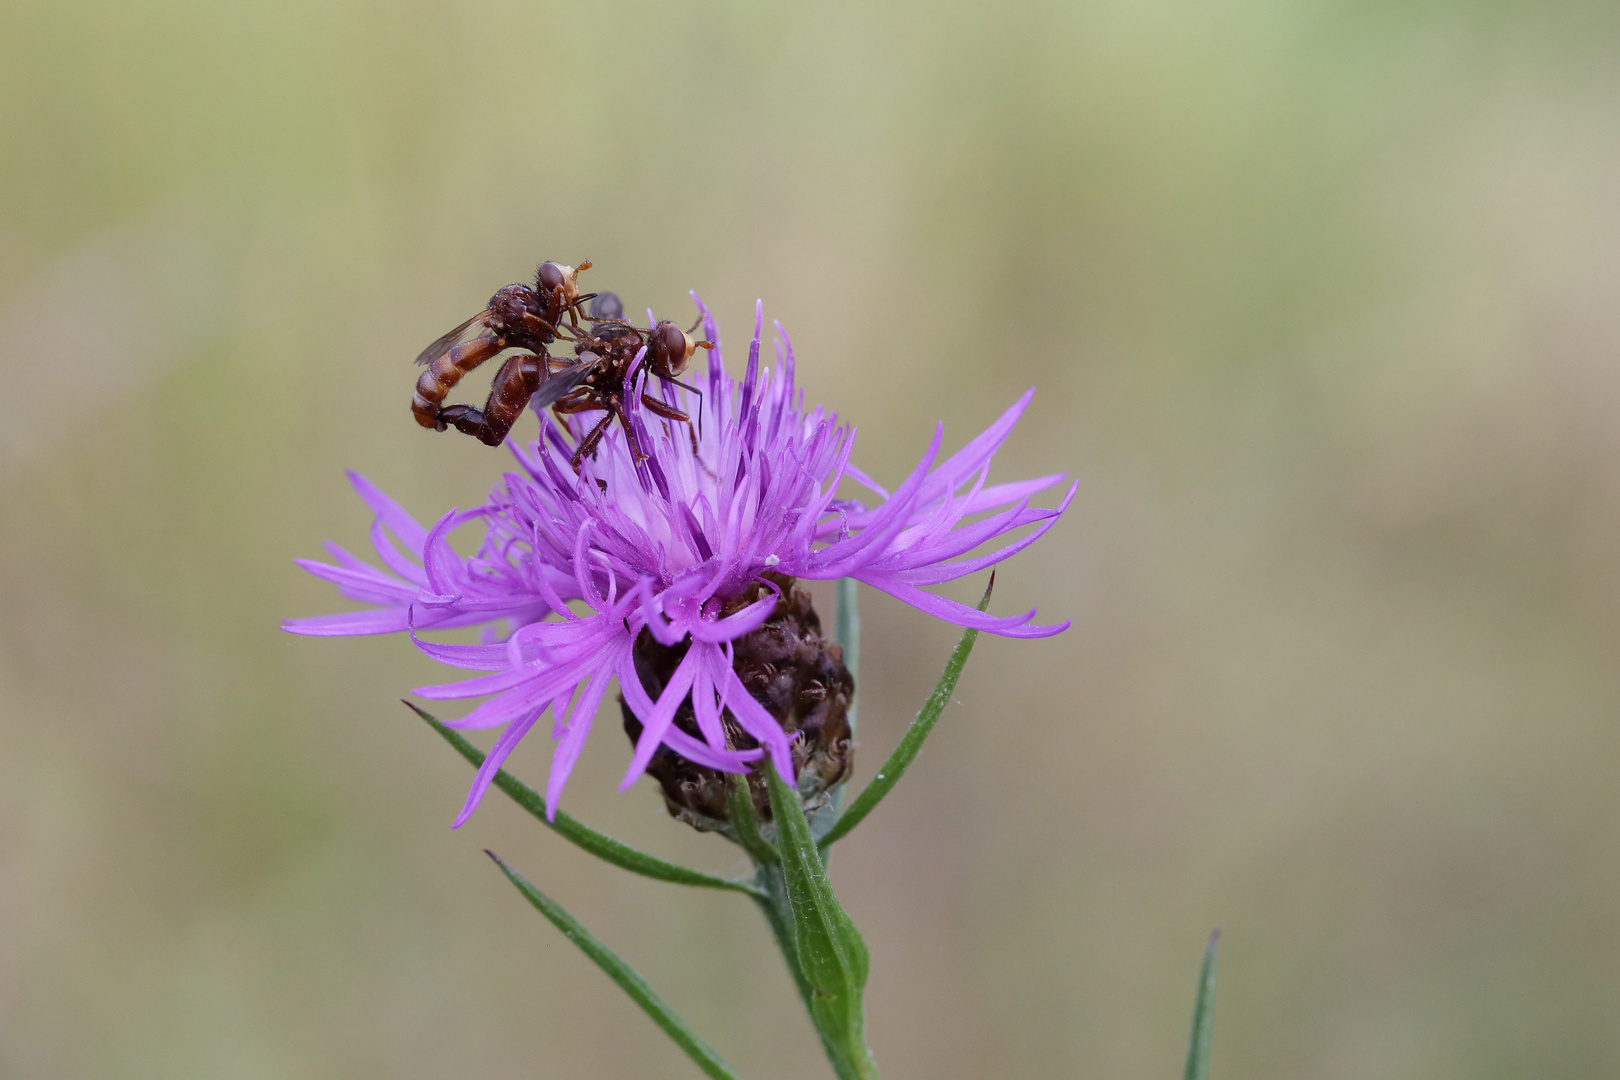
column 911, row 743
column 599, row 844
column 1203, row 1025
column 631, row 983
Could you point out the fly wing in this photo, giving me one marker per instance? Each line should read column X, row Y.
column 446, row 342
column 559, row 383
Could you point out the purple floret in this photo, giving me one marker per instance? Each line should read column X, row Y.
column 572, row 569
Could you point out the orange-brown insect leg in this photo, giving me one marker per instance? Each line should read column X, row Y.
column 670, row 412
column 589, row 443
column 629, row 433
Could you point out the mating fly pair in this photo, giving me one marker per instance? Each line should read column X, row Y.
column 597, row 377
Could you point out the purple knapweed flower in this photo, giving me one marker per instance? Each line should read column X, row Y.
column 577, row 566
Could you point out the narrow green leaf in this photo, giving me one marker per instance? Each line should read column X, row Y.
column 831, row 954
column 912, row 741
column 623, row 974
column 599, row 844
column 1203, row 1025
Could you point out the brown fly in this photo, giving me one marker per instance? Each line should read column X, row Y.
column 517, row 317
column 602, row 375
column 601, row 378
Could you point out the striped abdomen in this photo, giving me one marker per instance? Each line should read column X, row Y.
column 443, row 374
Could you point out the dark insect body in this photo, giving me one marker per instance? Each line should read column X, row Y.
column 602, row 379
column 603, row 375
column 517, row 317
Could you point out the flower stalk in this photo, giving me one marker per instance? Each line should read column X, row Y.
column 832, row 956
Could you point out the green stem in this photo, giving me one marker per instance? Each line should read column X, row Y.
column 778, row 912
column 831, row 956
column 847, row 633
column 779, row 916
column 771, row 894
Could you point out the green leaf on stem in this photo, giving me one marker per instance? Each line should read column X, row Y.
column 623, row 974
column 831, row 954
column 911, row 743
column 599, row 844
column 1203, row 1025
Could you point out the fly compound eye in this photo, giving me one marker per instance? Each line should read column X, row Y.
column 550, row 277
column 674, row 347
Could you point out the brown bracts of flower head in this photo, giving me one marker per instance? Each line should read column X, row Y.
column 789, row 668
column 516, row 317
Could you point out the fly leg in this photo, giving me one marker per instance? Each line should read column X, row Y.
column 573, row 309
column 616, row 407
column 588, row 444
column 670, row 412
column 593, row 437
column 583, row 399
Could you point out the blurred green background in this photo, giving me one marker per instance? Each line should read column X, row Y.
column 1320, row 299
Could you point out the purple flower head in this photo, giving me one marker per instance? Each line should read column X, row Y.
column 575, row 567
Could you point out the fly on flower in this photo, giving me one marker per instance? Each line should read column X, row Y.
column 517, row 317
column 668, row 564
column 613, row 361
column 613, row 365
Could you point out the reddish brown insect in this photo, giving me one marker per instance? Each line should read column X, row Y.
column 517, row 317
column 602, row 379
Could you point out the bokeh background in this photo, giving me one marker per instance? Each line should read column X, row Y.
column 1321, row 301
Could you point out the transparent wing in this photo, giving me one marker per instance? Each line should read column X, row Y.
column 448, row 341
column 559, row 383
